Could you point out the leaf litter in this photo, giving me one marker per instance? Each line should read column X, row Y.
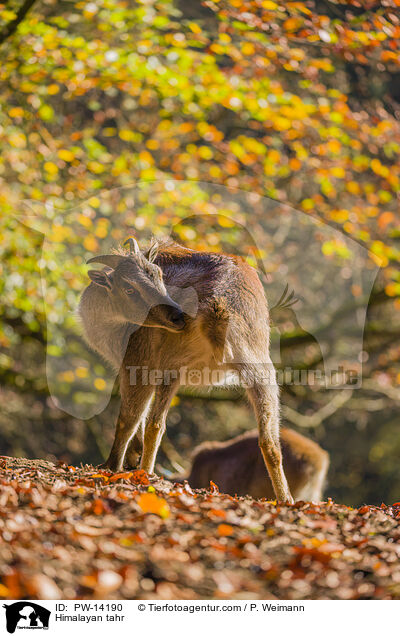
column 81, row 533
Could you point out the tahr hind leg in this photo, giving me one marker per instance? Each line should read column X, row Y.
column 264, row 396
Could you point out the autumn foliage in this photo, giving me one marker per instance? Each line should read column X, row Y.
column 295, row 101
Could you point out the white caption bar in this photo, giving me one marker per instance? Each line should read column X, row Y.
column 178, row 618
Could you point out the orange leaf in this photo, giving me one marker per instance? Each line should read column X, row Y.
column 363, row 510
column 214, row 488
column 385, row 218
column 99, row 476
column 224, row 530
column 150, row 502
column 218, row 513
column 89, row 580
column 4, row 591
column 98, row 507
column 121, row 476
column 140, row 477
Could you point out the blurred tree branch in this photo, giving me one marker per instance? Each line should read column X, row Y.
column 372, row 385
column 314, row 420
column 13, row 24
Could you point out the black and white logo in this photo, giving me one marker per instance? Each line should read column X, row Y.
column 26, row 615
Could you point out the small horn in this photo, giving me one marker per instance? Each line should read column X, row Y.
column 112, row 260
column 152, row 253
column 133, row 245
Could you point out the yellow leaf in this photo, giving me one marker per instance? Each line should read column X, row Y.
column 282, row 123
column 152, row 144
column 51, row 168
column 248, row 48
column 66, row 155
column 53, row 89
column 392, row 289
column 225, row 221
column 146, row 159
column 340, row 216
column 215, row 172
column 205, row 152
column 96, row 167
column 59, row 233
column 148, row 174
column 16, row 112
column 94, row 202
column 379, row 168
column 110, row 131
column 17, row 140
column 217, row 48
column 91, row 245
column 193, row 26
column 101, row 231
column 85, row 220
column 126, row 135
column 338, row 172
column 353, row 187
column 46, row 112
column 100, row 384
column 334, row 146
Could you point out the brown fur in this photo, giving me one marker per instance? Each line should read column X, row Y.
column 236, row 466
column 228, row 332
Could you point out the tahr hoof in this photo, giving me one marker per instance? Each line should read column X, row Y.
column 106, row 466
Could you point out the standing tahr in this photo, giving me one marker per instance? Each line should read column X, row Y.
column 134, row 315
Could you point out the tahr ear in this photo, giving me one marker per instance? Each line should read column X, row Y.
column 100, row 278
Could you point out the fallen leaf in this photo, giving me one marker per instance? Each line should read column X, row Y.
column 224, row 530
column 151, row 503
column 118, row 476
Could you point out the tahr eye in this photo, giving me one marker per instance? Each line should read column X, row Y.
column 130, row 291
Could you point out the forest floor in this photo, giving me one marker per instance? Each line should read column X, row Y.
column 81, row 533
